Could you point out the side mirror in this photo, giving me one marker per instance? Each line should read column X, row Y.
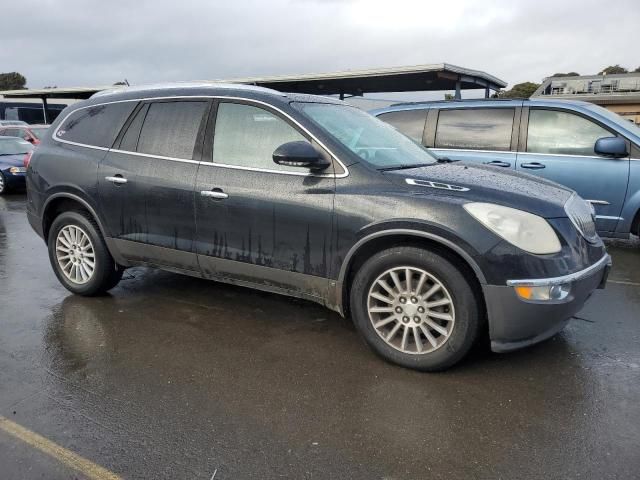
column 300, row 154
column 614, row 147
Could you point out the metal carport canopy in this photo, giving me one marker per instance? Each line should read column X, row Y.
column 417, row 78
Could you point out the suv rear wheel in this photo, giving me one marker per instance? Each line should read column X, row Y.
column 415, row 308
column 79, row 255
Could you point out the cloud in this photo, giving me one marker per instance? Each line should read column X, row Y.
column 90, row 42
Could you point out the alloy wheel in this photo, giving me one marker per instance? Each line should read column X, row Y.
column 411, row 310
column 75, row 254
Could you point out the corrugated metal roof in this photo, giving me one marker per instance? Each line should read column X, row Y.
column 440, row 76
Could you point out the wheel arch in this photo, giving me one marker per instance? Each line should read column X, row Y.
column 66, row 201
column 380, row 240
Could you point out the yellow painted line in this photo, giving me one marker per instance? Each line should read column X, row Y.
column 67, row 457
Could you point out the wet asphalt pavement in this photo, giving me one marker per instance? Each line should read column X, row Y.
column 176, row 377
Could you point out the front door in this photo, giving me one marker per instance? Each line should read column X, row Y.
column 259, row 223
column 559, row 145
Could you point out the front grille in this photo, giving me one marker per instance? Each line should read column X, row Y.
column 581, row 215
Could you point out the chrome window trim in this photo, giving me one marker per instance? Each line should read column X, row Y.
column 235, row 167
column 572, row 277
column 160, row 157
column 471, row 150
column 597, row 157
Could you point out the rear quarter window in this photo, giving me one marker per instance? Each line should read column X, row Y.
column 409, row 122
column 95, row 126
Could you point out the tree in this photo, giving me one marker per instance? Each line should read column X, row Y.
column 636, row 70
column 12, row 81
column 449, row 96
column 570, row 74
column 612, row 69
column 520, row 90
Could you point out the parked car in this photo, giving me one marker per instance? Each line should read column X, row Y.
column 30, row 133
column 12, row 156
column 309, row 197
column 578, row 144
column 11, row 123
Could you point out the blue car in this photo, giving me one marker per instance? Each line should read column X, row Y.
column 12, row 170
column 583, row 146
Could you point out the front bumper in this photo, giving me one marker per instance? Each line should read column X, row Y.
column 515, row 323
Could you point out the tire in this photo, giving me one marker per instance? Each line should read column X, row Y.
column 3, row 184
column 69, row 249
column 452, row 319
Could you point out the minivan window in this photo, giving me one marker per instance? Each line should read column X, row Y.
column 475, row 128
column 562, row 133
column 409, row 122
column 373, row 140
column 97, row 125
column 247, row 136
column 170, row 129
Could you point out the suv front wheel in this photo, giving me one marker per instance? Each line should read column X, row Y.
column 79, row 256
column 415, row 308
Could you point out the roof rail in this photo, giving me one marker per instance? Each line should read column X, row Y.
column 454, row 100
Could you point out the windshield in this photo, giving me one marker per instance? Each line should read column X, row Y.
column 371, row 139
column 14, row 146
column 39, row 132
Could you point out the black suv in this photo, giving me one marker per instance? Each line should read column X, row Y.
column 309, row 197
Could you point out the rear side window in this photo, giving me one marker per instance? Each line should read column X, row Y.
column 409, row 122
column 96, row 126
column 555, row 132
column 247, row 136
column 170, row 129
column 475, row 129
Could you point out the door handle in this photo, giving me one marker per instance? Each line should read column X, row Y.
column 498, row 163
column 216, row 193
column 117, row 179
column 533, row 165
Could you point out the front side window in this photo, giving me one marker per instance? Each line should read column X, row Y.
column 409, row 122
column 562, row 133
column 170, row 129
column 96, row 126
column 373, row 140
column 475, row 128
column 247, row 136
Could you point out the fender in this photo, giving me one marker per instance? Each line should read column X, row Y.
column 337, row 289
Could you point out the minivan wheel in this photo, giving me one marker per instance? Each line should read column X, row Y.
column 79, row 256
column 415, row 308
column 3, row 184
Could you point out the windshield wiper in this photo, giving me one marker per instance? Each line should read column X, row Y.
column 406, row 166
column 446, row 160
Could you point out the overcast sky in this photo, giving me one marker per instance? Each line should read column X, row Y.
column 98, row 42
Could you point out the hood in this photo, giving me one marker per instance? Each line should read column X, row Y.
column 12, row 160
column 481, row 183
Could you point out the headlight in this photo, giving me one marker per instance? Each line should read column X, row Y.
column 15, row 170
column 526, row 231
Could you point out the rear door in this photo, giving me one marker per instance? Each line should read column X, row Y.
column 558, row 144
column 147, row 182
column 486, row 135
